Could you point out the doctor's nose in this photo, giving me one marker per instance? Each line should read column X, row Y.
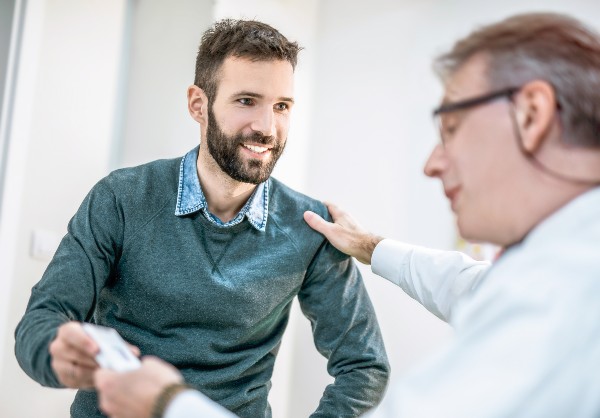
column 437, row 162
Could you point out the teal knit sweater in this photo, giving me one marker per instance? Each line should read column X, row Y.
column 213, row 301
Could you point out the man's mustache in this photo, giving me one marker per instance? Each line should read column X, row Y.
column 258, row 138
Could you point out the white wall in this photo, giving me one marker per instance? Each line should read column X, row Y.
column 164, row 40
column 11, row 32
column 59, row 147
column 360, row 134
column 7, row 13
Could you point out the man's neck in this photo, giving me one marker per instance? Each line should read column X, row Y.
column 225, row 196
column 535, row 207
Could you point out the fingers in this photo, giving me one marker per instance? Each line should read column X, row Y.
column 159, row 363
column 72, row 356
column 316, row 222
column 73, row 375
column 167, row 372
column 335, row 212
column 73, row 335
column 153, row 361
column 106, row 384
column 132, row 394
column 104, row 378
column 135, row 350
column 344, row 233
column 73, row 344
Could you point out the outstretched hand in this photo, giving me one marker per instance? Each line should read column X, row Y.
column 344, row 233
column 72, row 354
column 133, row 394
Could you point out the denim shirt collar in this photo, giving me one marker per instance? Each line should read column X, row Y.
column 191, row 199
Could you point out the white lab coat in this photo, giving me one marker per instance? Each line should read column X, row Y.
column 527, row 329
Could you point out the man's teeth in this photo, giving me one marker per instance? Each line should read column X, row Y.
column 256, row 149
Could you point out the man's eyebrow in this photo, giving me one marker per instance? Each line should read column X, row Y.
column 286, row 99
column 260, row 96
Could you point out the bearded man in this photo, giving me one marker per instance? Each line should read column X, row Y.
column 197, row 260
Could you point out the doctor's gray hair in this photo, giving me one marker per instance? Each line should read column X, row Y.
column 541, row 46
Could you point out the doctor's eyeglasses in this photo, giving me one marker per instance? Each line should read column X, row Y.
column 448, row 116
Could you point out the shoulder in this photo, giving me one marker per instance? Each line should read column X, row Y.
column 148, row 185
column 284, row 200
column 151, row 173
column 286, row 212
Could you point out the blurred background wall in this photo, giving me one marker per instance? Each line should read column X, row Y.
column 90, row 86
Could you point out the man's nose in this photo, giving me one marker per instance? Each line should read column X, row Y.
column 264, row 121
column 437, row 162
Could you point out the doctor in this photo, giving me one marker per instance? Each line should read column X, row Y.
column 519, row 160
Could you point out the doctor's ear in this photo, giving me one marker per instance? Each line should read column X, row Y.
column 535, row 107
column 197, row 104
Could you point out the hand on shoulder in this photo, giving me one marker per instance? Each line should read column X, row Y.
column 344, row 233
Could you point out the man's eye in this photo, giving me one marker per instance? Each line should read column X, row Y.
column 449, row 129
column 449, row 124
column 245, row 101
column 281, row 106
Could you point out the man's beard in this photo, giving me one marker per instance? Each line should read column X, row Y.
column 225, row 151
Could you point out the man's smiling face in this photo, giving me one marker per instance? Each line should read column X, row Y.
column 248, row 121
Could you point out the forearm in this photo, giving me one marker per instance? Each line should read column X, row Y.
column 71, row 285
column 353, row 393
column 67, row 292
column 33, row 335
column 435, row 278
column 345, row 331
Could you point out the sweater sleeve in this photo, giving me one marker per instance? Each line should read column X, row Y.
column 346, row 332
column 69, row 288
column 436, row 279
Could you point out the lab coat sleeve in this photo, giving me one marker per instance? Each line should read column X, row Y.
column 434, row 278
column 193, row 404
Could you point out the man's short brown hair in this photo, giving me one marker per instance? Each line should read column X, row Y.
column 541, row 46
column 249, row 39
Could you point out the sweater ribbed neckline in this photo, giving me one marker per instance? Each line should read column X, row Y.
column 227, row 230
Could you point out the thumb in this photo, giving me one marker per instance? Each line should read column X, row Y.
column 102, row 377
column 316, row 222
column 135, row 350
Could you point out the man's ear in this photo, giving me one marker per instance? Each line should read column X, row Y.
column 535, row 111
column 197, row 104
